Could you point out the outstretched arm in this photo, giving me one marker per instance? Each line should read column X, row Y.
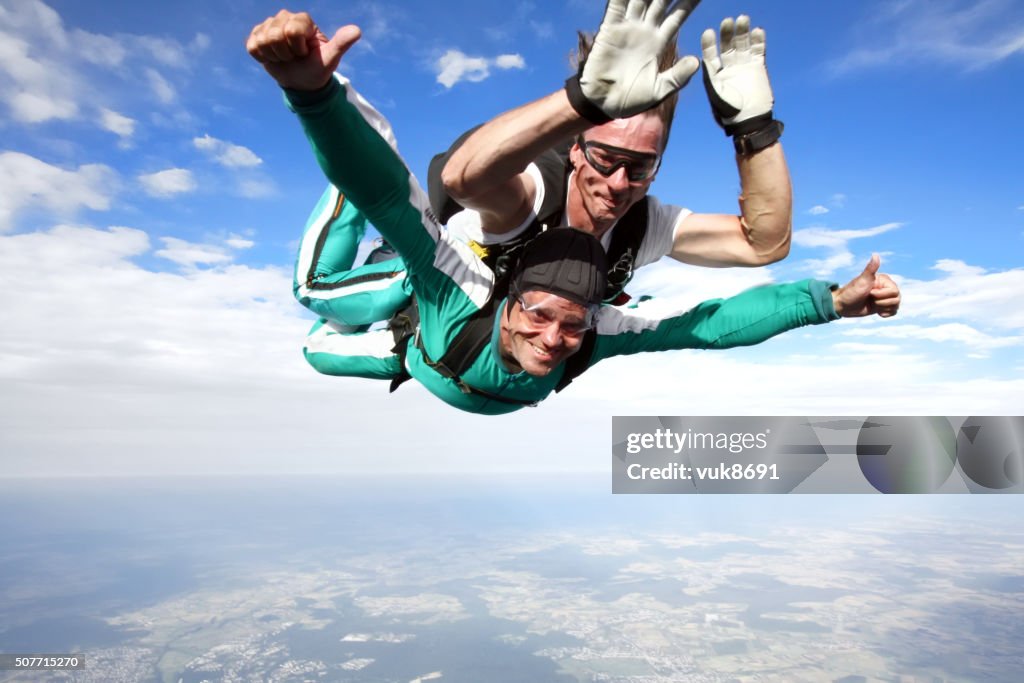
column 620, row 79
column 748, row 318
column 487, row 173
column 736, row 81
column 352, row 142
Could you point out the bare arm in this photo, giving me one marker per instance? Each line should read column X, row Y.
column 760, row 234
column 487, row 173
column 736, row 82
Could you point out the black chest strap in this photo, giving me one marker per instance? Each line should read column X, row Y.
column 627, row 236
column 468, row 344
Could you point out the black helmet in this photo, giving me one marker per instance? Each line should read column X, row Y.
column 563, row 261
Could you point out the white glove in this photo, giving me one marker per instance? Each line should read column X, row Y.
column 621, row 76
column 737, row 80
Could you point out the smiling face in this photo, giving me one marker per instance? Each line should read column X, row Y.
column 597, row 201
column 540, row 331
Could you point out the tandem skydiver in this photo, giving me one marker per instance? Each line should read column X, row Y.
column 550, row 312
column 561, row 161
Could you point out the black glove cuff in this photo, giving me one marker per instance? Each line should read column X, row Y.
column 584, row 107
column 756, row 140
column 749, row 126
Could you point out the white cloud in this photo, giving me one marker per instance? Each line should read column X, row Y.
column 16, row 63
column 957, row 268
column 826, row 267
column 518, row 21
column 35, row 107
column 542, row 30
column 256, row 188
column 31, row 16
column 99, row 49
column 226, row 153
column 168, row 182
column 200, row 42
column 513, row 61
column 191, row 255
column 239, row 242
column 27, row 182
column 169, row 52
column 836, row 241
column 866, row 349
column 161, row 88
column 676, row 285
column 744, row 382
column 839, row 200
column 499, row 34
column 817, row 210
column 35, row 88
column 966, row 36
column 969, row 294
column 120, row 125
column 74, row 247
column 48, row 72
column 455, row 66
column 959, row 333
column 377, row 21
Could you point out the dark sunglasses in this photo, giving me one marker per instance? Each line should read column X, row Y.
column 606, row 159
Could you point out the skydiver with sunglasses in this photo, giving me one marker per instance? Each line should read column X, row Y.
column 512, row 176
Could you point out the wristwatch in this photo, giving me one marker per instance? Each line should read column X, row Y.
column 759, row 139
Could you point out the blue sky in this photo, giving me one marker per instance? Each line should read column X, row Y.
column 153, row 187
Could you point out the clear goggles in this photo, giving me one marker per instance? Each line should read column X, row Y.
column 545, row 309
column 606, row 159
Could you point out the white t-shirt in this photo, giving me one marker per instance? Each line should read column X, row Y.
column 662, row 222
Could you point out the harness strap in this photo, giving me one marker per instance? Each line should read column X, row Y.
column 403, row 326
column 625, row 245
column 466, row 388
column 468, row 344
column 627, row 236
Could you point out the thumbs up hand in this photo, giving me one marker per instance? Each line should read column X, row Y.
column 870, row 293
column 296, row 53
